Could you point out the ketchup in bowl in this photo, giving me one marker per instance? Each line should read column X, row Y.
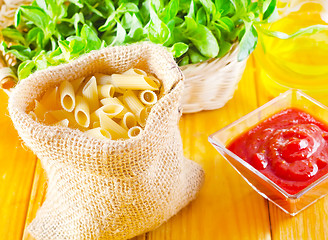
column 290, row 148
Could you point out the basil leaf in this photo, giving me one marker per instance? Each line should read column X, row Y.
column 41, row 61
column 227, row 9
column 126, row 20
column 77, row 3
column 158, row 32
column 13, row 34
column 208, row 5
column 18, row 17
column 33, row 34
column 171, row 10
column 238, row 4
column 91, row 38
column 184, row 61
column 136, row 28
column 157, row 4
column 191, row 13
column 48, row 6
column 25, row 69
column 77, row 47
column 270, row 9
column 224, row 48
column 120, row 35
column 20, row 52
column 54, row 54
column 218, row 4
column 78, row 18
column 178, row 49
column 36, row 15
column 136, row 2
column 128, row 7
column 109, row 22
column 95, row 11
column 65, row 30
column 202, row 38
column 137, row 36
column 226, row 24
column 201, row 16
column 196, row 57
column 248, row 41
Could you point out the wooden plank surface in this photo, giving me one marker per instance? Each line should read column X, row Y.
column 225, row 202
column 17, row 165
column 311, row 223
column 226, row 208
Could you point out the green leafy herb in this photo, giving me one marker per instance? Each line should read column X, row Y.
column 51, row 32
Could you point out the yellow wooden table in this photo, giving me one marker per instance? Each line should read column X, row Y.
column 226, row 208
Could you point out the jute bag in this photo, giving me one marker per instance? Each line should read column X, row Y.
column 110, row 189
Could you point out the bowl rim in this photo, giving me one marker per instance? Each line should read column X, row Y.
column 248, row 166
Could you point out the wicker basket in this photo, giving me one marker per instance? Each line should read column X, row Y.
column 210, row 85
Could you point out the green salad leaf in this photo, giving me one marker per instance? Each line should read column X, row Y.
column 51, row 32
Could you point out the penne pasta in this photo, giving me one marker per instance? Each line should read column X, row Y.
column 94, row 117
column 112, row 127
column 77, row 83
column 96, row 124
column 120, row 98
column 58, row 115
column 135, row 71
column 82, row 112
column 67, row 95
column 134, row 131
column 111, row 110
column 33, row 115
column 103, row 79
column 105, row 91
column 90, row 93
column 148, row 110
column 148, row 97
column 99, row 133
column 156, row 80
column 50, row 99
column 62, row 123
column 128, row 121
column 135, row 82
column 118, row 91
column 137, row 108
column 109, row 101
column 39, row 110
column 102, row 106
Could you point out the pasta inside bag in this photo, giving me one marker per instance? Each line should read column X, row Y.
column 109, row 189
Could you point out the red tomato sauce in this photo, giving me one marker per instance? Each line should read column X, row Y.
column 290, row 148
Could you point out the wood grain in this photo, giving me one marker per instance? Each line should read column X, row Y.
column 38, row 193
column 17, row 166
column 310, row 223
column 226, row 208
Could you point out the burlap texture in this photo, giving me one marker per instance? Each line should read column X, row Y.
column 111, row 189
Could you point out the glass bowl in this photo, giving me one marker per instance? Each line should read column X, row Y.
column 291, row 204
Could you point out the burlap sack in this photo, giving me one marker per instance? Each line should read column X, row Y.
column 110, row 189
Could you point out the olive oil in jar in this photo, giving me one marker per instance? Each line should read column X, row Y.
column 299, row 62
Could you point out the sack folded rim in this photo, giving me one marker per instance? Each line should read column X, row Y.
column 53, row 134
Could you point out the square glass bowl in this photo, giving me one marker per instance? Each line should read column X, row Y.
column 291, row 204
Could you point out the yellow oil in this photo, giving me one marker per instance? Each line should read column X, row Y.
column 300, row 62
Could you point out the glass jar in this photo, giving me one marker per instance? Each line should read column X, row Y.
column 299, row 62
